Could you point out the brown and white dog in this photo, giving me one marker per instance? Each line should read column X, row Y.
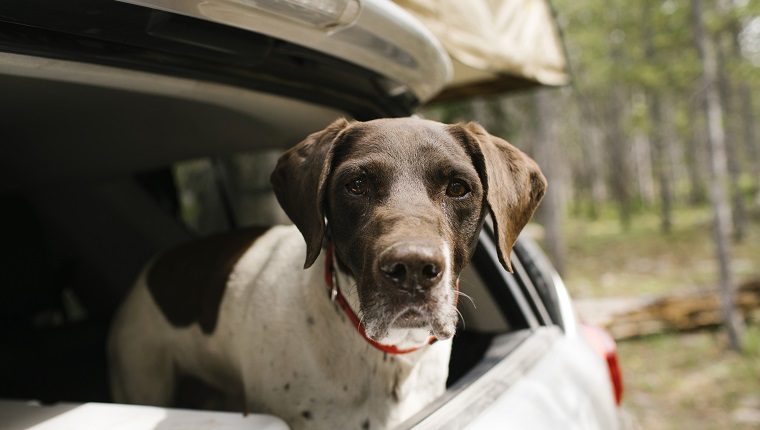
column 401, row 203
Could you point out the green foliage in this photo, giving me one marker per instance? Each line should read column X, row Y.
column 621, row 55
column 645, row 44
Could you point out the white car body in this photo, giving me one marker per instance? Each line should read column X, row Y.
column 90, row 106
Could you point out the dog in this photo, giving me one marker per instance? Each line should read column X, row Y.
column 345, row 319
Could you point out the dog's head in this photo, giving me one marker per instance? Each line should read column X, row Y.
column 405, row 200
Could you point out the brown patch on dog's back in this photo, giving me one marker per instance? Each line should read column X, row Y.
column 188, row 281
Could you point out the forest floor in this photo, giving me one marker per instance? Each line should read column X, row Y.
column 672, row 380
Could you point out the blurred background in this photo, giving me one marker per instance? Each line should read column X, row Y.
column 652, row 153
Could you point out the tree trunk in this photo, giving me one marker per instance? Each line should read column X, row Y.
column 546, row 153
column 642, row 159
column 620, row 172
column 726, row 92
column 660, row 164
column 746, row 113
column 618, row 158
column 718, row 169
column 659, row 152
column 751, row 141
column 593, row 155
column 695, row 155
column 675, row 160
column 599, row 191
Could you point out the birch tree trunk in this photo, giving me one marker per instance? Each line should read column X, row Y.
column 719, row 171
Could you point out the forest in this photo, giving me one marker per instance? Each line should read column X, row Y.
column 652, row 154
column 661, row 115
column 632, row 127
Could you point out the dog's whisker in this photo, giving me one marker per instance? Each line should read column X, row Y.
column 353, row 289
column 461, row 294
column 461, row 317
column 360, row 315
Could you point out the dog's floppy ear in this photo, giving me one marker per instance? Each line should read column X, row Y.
column 299, row 182
column 513, row 183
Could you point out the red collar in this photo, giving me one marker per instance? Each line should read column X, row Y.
column 337, row 296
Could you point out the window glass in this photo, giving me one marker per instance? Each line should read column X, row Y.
column 217, row 194
column 246, row 178
column 477, row 307
column 539, row 271
column 200, row 200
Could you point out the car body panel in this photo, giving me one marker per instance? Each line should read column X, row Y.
column 548, row 397
column 127, row 36
column 383, row 38
column 17, row 415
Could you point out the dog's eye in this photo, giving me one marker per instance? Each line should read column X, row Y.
column 357, row 186
column 457, row 189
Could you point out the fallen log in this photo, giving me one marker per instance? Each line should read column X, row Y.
column 684, row 311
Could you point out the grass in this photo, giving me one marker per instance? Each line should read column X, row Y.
column 691, row 381
column 603, row 260
column 672, row 380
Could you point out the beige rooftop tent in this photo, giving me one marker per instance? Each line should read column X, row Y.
column 495, row 45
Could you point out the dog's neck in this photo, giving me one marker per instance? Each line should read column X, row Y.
column 398, row 341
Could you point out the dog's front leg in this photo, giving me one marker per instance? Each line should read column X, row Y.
column 141, row 366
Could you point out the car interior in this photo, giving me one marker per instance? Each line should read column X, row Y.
column 103, row 168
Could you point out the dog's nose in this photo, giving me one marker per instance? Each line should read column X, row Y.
column 412, row 267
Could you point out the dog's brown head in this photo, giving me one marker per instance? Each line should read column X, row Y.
column 405, row 200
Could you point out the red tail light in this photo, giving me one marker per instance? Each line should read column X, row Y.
column 606, row 347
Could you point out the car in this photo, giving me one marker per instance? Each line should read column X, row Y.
column 129, row 127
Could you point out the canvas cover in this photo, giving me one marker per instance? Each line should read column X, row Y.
column 495, row 45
